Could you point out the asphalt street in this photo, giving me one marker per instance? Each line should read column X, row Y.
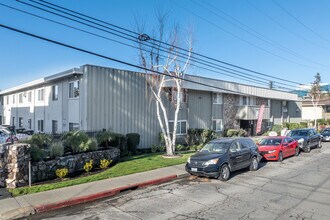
column 297, row 188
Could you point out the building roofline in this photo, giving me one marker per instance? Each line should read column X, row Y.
column 44, row 80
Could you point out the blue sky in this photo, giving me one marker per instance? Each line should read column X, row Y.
column 255, row 34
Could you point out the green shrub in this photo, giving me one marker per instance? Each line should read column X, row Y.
column 76, row 140
column 161, row 138
column 56, row 149
column 37, row 154
column 92, row 144
column 88, row 166
column 61, row 173
column 154, row 148
column 194, row 136
column 103, row 138
column 232, row 132
column 328, row 121
column 303, row 125
column 321, row 121
column 180, row 147
column 161, row 148
column 207, row 135
column 40, row 140
column 133, row 140
column 242, row 133
column 277, row 129
column 106, row 139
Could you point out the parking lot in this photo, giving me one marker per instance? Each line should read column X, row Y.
column 297, row 188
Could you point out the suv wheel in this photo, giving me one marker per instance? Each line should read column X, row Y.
column 319, row 144
column 254, row 164
column 224, row 173
column 307, row 149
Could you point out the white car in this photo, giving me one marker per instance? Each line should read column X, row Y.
column 5, row 136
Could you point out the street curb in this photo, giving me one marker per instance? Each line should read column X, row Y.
column 108, row 193
column 18, row 213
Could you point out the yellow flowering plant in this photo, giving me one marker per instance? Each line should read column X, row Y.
column 88, row 166
column 105, row 163
column 61, row 173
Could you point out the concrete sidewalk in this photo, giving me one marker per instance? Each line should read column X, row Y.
column 21, row 206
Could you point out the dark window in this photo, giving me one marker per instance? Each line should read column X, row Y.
column 20, row 98
column 327, row 108
column 54, row 126
column 0, row 120
column 20, row 122
column 29, row 123
column 55, row 92
column 13, row 122
column 73, row 126
column 41, row 125
column 14, row 99
column 74, row 89
column 29, row 96
column 40, row 94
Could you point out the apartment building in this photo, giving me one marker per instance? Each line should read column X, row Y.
column 93, row 98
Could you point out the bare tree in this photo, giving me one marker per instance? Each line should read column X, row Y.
column 157, row 57
column 315, row 94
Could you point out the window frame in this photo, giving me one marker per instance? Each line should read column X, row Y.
column 41, row 94
column 41, row 125
column 216, row 99
column 179, row 126
column 54, row 92
column 73, row 92
column 216, row 120
column 20, row 122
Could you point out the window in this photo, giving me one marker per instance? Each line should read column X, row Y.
column 14, row 99
column 1, row 100
column 40, row 94
column 73, row 126
column 181, row 127
column 20, row 122
column 1, row 120
column 217, row 98
column 217, row 124
column 54, row 126
column 41, row 125
column 74, row 89
column 248, row 100
column 267, row 103
column 13, row 122
column 29, row 96
column 20, row 98
column 327, row 108
column 55, row 92
column 4, row 120
column 29, row 123
column 183, row 95
column 7, row 99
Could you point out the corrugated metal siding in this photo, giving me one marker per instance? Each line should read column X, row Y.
column 200, row 109
column 119, row 101
column 276, row 111
column 236, row 88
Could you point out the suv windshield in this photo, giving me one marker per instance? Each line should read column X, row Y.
column 270, row 141
column 298, row 133
column 216, row 147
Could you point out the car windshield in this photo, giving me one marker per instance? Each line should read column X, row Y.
column 326, row 132
column 216, row 147
column 270, row 141
column 298, row 133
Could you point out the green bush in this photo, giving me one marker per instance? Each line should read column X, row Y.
column 242, row 133
column 277, row 129
column 292, row 126
column 321, row 121
column 194, row 136
column 180, row 147
column 154, row 148
column 76, row 140
column 40, row 140
column 56, row 149
column 161, row 148
column 37, row 154
column 103, row 138
column 161, row 138
column 232, row 132
column 207, row 135
column 328, row 121
column 303, row 125
column 92, row 144
column 133, row 140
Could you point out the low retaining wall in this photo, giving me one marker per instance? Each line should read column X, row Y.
column 45, row 170
column 14, row 164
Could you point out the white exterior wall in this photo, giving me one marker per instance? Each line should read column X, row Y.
column 63, row 110
column 309, row 113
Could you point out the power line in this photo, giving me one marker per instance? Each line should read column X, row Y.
column 284, row 27
column 300, row 22
column 254, row 33
column 113, row 59
column 225, row 69
column 238, row 37
column 106, row 38
column 193, row 53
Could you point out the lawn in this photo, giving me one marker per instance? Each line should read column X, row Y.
column 128, row 165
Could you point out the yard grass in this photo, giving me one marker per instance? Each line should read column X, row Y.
column 128, row 165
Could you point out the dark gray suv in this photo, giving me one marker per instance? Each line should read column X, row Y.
column 220, row 157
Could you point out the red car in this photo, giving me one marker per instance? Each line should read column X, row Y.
column 277, row 148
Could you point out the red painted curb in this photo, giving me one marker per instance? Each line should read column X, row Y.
column 93, row 197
